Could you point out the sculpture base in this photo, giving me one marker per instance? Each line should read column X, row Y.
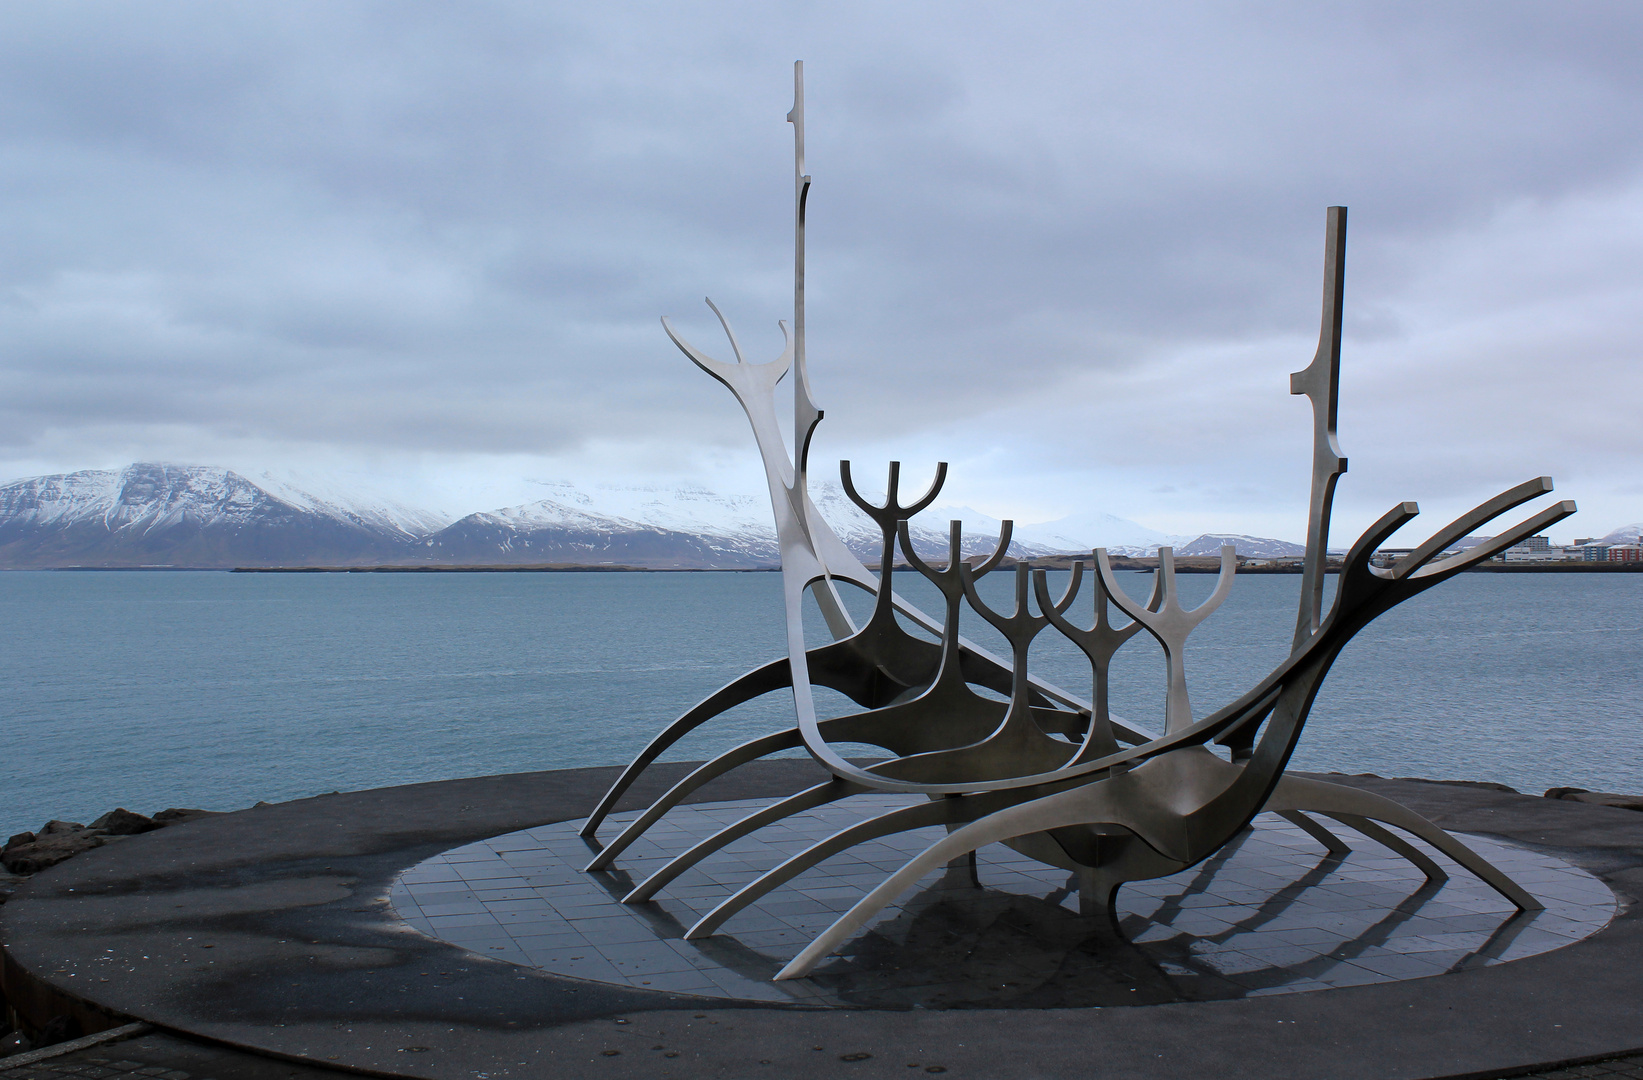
column 1273, row 912
column 270, row 929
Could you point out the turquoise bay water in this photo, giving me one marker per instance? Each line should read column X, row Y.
column 149, row 690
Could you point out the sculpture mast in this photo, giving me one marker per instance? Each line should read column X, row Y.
column 1321, row 381
column 805, row 413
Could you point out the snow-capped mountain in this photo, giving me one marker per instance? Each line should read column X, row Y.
column 1079, row 532
column 198, row 516
column 1249, row 547
column 1626, row 534
column 661, row 527
column 634, row 526
column 184, row 515
column 377, row 514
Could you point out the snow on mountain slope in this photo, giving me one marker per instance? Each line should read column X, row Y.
column 158, row 514
column 610, row 524
column 937, row 520
column 1080, row 533
column 1093, row 529
column 1626, row 534
column 368, row 512
column 683, row 509
column 660, row 526
column 181, row 515
column 139, row 497
column 1250, row 547
column 45, row 501
column 149, row 496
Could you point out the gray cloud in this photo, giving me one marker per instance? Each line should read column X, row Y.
column 356, row 230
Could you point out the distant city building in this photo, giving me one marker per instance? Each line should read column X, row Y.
column 1388, row 556
column 1626, row 553
column 1535, row 549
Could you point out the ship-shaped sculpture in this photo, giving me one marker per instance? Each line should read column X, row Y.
column 1052, row 774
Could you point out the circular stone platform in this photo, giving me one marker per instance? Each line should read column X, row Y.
column 1271, row 913
column 272, row 929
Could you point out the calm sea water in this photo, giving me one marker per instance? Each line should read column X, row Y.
column 149, row 690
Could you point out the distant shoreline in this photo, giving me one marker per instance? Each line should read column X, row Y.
column 1186, row 565
column 544, row 568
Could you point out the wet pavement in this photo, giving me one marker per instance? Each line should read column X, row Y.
column 271, row 931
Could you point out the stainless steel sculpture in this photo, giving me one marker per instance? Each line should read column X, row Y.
column 1044, row 771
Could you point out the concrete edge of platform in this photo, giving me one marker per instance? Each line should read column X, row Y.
column 84, row 1042
column 1545, row 1067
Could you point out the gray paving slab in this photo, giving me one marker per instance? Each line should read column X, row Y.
column 269, row 929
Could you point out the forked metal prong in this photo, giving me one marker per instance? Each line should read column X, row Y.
column 735, row 346
column 892, row 511
column 1099, row 644
column 1169, row 623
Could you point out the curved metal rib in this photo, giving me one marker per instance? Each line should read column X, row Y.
column 935, row 812
column 1341, row 802
column 899, row 728
column 1332, row 843
column 1396, row 844
column 740, row 755
column 1068, row 808
column 756, row 683
column 967, row 718
column 826, row 792
column 869, row 676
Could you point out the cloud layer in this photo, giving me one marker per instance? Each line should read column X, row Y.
column 1074, row 250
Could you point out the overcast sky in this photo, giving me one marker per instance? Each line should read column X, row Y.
column 1074, row 249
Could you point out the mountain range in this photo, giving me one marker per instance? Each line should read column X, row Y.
column 153, row 515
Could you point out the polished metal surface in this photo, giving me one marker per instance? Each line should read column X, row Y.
column 1044, row 771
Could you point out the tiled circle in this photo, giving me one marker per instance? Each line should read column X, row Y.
column 1270, row 913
